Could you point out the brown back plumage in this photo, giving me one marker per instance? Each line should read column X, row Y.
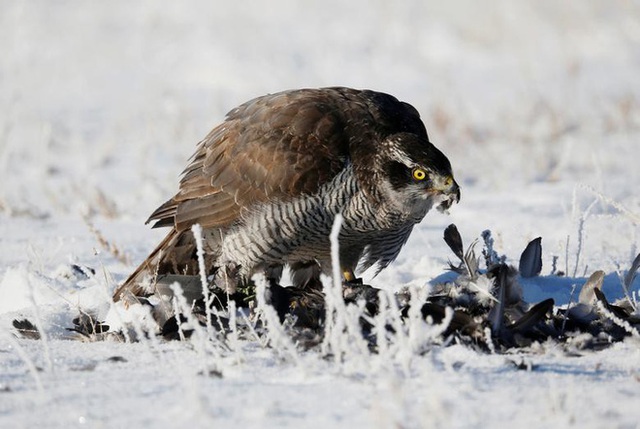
column 272, row 147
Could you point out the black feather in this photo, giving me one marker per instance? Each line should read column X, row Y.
column 26, row 329
column 454, row 240
column 531, row 259
column 533, row 316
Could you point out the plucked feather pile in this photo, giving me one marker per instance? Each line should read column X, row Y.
column 481, row 305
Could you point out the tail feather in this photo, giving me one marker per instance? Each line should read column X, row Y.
column 175, row 255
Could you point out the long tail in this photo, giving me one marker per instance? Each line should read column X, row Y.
column 174, row 256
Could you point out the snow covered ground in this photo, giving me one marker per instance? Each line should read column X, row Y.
column 536, row 103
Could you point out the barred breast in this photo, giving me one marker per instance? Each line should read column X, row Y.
column 288, row 232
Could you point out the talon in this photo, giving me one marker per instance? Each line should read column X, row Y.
column 349, row 276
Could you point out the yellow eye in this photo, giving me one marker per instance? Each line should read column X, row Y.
column 419, row 174
column 448, row 182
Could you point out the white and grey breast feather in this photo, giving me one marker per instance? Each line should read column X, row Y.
column 279, row 232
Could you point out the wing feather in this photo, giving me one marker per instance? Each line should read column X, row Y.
column 273, row 147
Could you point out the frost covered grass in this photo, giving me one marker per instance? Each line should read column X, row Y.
column 536, row 103
column 256, row 372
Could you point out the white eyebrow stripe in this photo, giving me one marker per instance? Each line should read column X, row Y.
column 402, row 157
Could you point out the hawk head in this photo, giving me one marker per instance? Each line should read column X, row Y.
column 415, row 175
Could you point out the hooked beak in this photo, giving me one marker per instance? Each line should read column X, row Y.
column 449, row 191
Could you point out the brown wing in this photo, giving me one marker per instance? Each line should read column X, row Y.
column 272, row 147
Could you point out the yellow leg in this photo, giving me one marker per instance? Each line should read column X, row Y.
column 348, row 275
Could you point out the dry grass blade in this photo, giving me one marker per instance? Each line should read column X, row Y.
column 633, row 217
column 631, row 274
column 108, row 246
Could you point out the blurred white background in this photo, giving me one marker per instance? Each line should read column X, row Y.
column 101, row 103
column 536, row 103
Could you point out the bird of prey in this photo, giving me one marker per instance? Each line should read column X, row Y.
column 267, row 183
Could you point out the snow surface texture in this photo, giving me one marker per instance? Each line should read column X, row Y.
column 536, row 103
